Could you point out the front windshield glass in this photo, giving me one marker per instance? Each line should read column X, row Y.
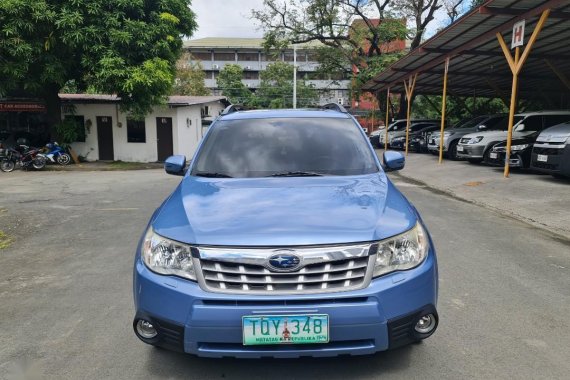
column 284, row 146
column 472, row 123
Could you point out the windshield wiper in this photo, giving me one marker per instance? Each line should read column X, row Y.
column 212, row 175
column 296, row 174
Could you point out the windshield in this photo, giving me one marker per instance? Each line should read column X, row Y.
column 284, row 146
column 472, row 123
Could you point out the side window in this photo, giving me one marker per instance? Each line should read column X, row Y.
column 550, row 120
column 136, row 131
column 79, row 122
column 533, row 123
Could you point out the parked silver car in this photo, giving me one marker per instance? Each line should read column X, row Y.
column 476, row 147
column 398, row 128
column 551, row 151
column 452, row 135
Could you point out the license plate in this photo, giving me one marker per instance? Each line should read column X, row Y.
column 542, row 158
column 460, row 149
column 285, row 329
column 493, row 155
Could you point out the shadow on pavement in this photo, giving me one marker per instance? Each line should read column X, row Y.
column 173, row 365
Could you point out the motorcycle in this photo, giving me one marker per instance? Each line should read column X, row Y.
column 53, row 153
column 22, row 156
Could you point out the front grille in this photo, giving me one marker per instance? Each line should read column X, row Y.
column 542, row 165
column 322, row 270
column 548, row 151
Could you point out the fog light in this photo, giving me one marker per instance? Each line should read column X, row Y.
column 145, row 329
column 425, row 324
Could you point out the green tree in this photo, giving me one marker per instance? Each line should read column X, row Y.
column 126, row 47
column 190, row 78
column 276, row 88
column 229, row 81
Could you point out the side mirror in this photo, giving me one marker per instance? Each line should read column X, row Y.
column 393, row 161
column 519, row 128
column 482, row 127
column 175, row 165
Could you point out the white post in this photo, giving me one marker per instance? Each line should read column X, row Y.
column 294, row 76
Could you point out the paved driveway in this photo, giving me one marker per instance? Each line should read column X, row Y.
column 66, row 307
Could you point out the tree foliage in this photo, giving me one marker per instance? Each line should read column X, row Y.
column 276, row 88
column 190, row 78
column 230, row 82
column 126, row 47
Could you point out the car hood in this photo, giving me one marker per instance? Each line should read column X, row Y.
column 560, row 131
column 288, row 211
column 498, row 135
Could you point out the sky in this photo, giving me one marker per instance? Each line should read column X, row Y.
column 231, row 18
column 226, row 18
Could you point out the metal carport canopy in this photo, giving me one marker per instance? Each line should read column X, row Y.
column 477, row 64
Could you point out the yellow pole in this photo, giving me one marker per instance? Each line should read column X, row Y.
column 516, row 65
column 409, row 92
column 387, row 120
column 443, row 105
column 512, row 109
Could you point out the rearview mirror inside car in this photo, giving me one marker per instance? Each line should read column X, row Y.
column 393, row 161
column 175, row 165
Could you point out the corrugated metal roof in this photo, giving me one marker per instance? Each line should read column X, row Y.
column 477, row 64
column 235, row 43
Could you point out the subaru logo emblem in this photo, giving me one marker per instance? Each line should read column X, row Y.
column 284, row 261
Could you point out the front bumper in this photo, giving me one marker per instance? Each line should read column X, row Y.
column 377, row 318
column 471, row 151
column 557, row 160
column 515, row 161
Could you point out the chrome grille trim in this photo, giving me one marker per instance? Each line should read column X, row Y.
column 321, row 270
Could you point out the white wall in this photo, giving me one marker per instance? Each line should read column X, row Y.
column 186, row 135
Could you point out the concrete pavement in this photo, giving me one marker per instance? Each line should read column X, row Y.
column 540, row 200
column 66, row 304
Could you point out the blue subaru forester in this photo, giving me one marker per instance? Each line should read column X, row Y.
column 285, row 238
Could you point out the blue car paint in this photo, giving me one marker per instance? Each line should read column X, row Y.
column 277, row 212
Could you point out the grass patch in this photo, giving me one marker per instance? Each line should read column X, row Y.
column 5, row 240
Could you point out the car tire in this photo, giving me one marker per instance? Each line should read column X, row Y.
column 452, row 151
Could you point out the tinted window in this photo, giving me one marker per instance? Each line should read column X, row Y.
column 419, row 126
column 79, row 122
column 472, row 123
column 265, row 147
column 551, row 120
column 533, row 123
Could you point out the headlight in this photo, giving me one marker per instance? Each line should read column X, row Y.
column 519, row 147
column 402, row 252
column 168, row 257
column 475, row 140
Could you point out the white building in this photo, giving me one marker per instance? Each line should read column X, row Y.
column 215, row 53
column 109, row 134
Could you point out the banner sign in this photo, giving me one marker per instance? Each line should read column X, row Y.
column 22, row 107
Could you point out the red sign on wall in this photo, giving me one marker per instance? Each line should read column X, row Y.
column 518, row 34
column 22, row 107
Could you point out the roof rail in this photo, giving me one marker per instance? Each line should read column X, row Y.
column 229, row 109
column 335, row 107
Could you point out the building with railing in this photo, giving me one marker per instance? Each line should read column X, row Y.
column 215, row 53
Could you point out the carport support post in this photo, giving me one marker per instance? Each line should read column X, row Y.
column 409, row 92
column 443, row 104
column 516, row 65
column 387, row 120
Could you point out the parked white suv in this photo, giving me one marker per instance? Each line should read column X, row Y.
column 475, row 147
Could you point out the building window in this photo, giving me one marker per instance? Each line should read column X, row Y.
column 272, row 56
column 224, row 57
column 251, row 75
column 202, row 56
column 136, row 131
column 248, row 57
column 206, row 111
column 79, row 122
